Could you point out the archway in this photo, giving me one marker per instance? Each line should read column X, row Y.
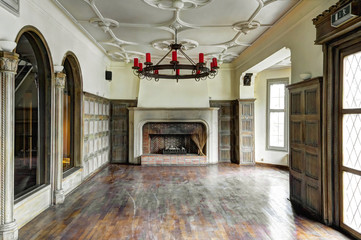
column 33, row 86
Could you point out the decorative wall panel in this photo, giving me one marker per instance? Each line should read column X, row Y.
column 96, row 132
column 120, row 130
column 226, row 130
column 246, row 132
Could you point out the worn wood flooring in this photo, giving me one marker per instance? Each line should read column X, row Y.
column 224, row 201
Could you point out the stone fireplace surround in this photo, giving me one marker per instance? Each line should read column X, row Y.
column 138, row 117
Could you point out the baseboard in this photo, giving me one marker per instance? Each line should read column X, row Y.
column 282, row 167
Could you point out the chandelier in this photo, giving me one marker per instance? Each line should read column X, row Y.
column 198, row 71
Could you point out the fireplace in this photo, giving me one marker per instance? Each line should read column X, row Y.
column 162, row 136
column 173, row 138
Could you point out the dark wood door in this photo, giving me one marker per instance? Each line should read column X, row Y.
column 305, row 145
column 120, row 129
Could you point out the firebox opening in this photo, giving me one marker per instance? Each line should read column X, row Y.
column 182, row 138
column 172, row 144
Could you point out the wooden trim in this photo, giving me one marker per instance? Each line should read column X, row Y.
column 282, row 167
column 325, row 32
column 92, row 95
column 351, row 170
column 304, row 83
column 246, row 100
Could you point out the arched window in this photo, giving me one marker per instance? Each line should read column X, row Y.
column 68, row 118
column 72, row 117
column 32, row 114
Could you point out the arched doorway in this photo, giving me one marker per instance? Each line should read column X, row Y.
column 72, row 117
column 32, row 112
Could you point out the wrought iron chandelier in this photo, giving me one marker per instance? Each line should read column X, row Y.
column 198, row 71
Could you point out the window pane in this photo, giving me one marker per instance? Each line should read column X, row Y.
column 352, row 141
column 67, row 161
column 352, row 200
column 277, row 129
column 352, row 81
column 27, row 162
column 68, row 118
column 277, row 96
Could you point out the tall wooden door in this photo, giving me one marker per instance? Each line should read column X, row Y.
column 305, row 146
column 120, row 129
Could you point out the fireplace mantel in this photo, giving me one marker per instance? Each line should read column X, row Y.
column 140, row 116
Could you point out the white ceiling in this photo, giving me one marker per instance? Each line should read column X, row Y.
column 125, row 29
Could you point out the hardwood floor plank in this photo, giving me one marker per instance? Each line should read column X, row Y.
column 223, row 201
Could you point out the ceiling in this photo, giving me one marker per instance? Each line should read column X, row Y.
column 125, row 29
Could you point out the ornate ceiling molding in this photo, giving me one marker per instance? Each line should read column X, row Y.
column 106, row 23
column 116, row 47
column 163, row 45
column 177, row 5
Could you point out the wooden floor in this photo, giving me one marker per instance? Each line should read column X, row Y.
column 215, row 202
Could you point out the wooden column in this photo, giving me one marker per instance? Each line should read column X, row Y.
column 59, row 108
column 8, row 68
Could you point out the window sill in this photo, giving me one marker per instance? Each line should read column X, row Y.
column 70, row 172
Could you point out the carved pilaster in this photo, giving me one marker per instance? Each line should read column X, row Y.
column 59, row 92
column 8, row 68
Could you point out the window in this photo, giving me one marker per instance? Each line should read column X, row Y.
column 351, row 141
column 68, row 118
column 277, row 114
column 32, row 108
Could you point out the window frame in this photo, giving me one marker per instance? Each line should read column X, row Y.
column 268, row 112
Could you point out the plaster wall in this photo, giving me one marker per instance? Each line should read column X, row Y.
column 124, row 85
column 168, row 93
column 261, row 153
column 61, row 36
column 296, row 32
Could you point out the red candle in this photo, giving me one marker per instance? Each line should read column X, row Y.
column 212, row 65
column 178, row 71
column 215, row 64
column 136, row 62
column 201, row 58
column 156, row 71
column 174, row 56
column 140, row 66
column 147, row 57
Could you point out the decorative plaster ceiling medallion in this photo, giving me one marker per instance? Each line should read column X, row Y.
column 246, row 27
column 175, row 5
column 105, row 23
column 163, row 45
column 222, row 57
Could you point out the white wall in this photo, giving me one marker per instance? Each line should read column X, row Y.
column 223, row 86
column 296, row 32
column 125, row 85
column 61, row 36
column 261, row 154
column 168, row 93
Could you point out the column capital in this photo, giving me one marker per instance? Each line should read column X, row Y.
column 60, row 80
column 8, row 61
